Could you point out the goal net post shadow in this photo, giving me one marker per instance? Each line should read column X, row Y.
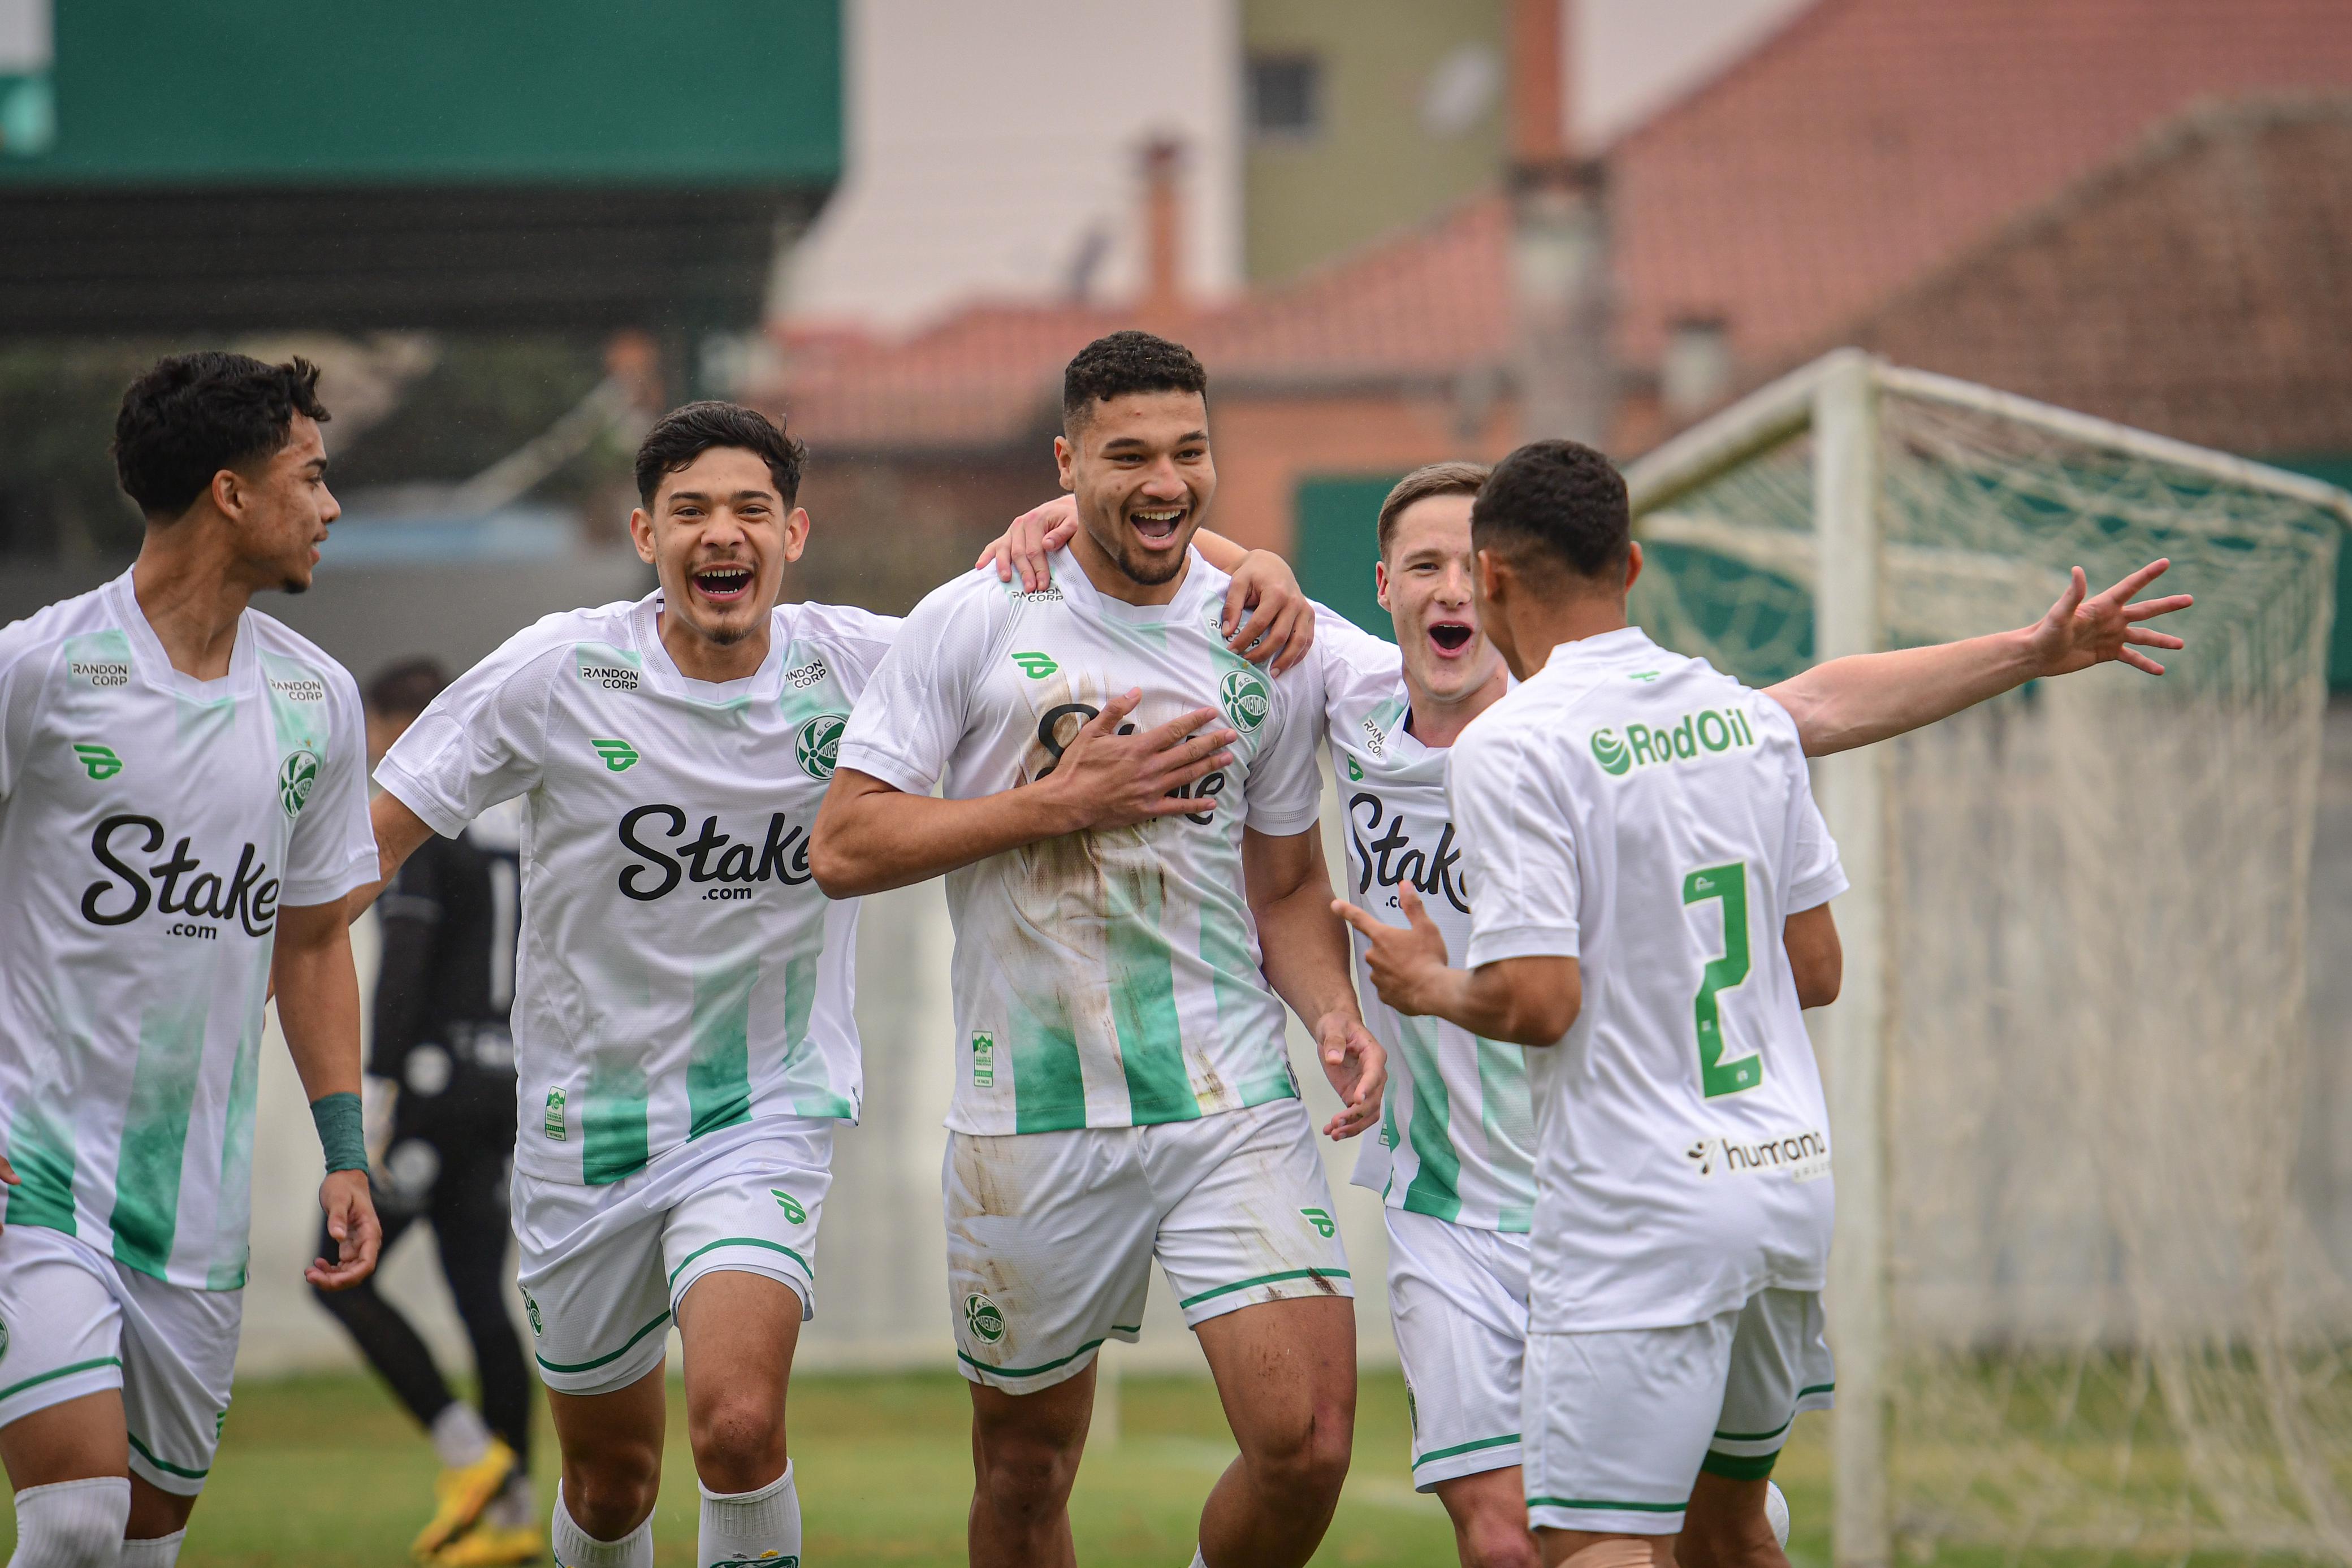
column 2085, row 1304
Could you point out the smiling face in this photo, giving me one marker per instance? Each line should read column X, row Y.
column 718, row 533
column 281, row 510
column 1427, row 580
column 1139, row 466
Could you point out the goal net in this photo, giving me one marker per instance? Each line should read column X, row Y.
column 2085, row 1306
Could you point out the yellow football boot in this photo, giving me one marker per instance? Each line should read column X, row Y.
column 491, row 1546
column 459, row 1495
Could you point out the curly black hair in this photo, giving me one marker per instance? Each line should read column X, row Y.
column 1556, row 501
column 192, row 415
column 685, row 433
column 1124, row 362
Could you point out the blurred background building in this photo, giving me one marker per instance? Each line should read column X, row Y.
column 1396, row 231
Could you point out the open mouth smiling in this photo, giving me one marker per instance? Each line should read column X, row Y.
column 723, row 584
column 1157, row 525
column 1451, row 637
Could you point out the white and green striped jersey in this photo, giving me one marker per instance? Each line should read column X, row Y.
column 151, row 827
column 1107, row 978
column 679, row 970
column 1457, row 1128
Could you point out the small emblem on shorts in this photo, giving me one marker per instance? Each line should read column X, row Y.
column 818, row 745
column 983, row 1060
column 790, row 1205
column 100, row 761
column 553, row 1124
column 530, row 1311
column 619, row 755
column 1321, row 1220
column 296, row 775
column 980, row 1313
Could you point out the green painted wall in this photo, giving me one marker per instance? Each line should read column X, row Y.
column 1336, row 543
column 1376, row 166
column 613, row 91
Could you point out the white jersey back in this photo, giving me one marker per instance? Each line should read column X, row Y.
column 1110, row 978
column 1634, row 810
column 679, row 971
column 1457, row 1129
column 152, row 826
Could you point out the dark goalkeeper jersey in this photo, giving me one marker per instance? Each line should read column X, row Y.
column 446, row 982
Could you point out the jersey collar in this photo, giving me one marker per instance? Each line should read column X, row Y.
column 665, row 674
column 1608, row 647
column 1077, row 588
column 155, row 665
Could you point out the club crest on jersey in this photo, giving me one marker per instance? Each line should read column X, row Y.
column 982, row 1316
column 99, row 761
column 1244, row 698
column 295, row 776
column 818, row 745
column 619, row 755
column 1645, row 746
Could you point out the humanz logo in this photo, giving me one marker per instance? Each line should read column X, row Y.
column 710, row 857
column 1060, row 725
column 181, row 885
column 1391, row 858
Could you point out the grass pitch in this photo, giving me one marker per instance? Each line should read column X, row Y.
column 328, row 1470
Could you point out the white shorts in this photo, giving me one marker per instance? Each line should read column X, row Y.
column 1458, row 1297
column 1051, row 1235
column 1619, row 1424
column 604, row 1268
column 74, row 1321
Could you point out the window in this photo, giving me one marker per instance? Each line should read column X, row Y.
column 1285, row 98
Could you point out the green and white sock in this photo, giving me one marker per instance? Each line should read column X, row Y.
column 751, row 1526
column 161, row 1551
column 575, row 1548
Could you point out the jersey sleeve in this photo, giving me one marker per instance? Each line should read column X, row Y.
column 1815, row 875
column 23, row 665
column 1360, row 670
column 910, row 717
column 483, row 740
column 1518, row 851
column 1286, row 782
column 332, row 848
column 857, row 640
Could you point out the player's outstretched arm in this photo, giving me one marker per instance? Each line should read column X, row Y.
column 319, row 1008
column 1869, row 697
column 1521, row 1001
column 1816, row 957
column 398, row 831
column 870, row 836
column 1306, row 949
column 1267, row 617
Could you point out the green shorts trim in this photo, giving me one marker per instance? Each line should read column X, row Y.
column 1802, row 1394
column 1739, row 1467
column 166, row 1466
column 1611, row 1507
column 15, row 1388
column 1470, row 1448
column 737, row 1241
column 592, row 1365
column 1065, row 1361
column 1263, row 1280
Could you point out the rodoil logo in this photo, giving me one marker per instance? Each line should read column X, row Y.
column 1696, row 734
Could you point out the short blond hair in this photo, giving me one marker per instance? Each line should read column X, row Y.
column 1430, row 479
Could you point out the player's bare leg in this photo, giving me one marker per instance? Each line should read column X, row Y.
column 86, row 1439
column 1726, row 1526
column 740, row 1329
column 1286, row 1372
column 1489, row 1511
column 611, row 1447
column 1025, row 1458
column 1586, row 1550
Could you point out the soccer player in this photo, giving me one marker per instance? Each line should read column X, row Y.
column 1454, row 1159
column 441, row 1084
column 1649, row 887
column 183, row 810
column 1129, row 827
column 683, row 1031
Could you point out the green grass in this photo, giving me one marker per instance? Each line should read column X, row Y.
column 327, row 1470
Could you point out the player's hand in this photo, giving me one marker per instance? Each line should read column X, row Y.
column 1280, row 619
column 2079, row 632
column 351, row 1222
column 1403, row 960
column 1357, row 1067
column 1113, row 780
column 8, row 1173
column 1035, row 535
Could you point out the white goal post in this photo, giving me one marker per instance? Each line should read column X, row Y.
column 1986, row 1372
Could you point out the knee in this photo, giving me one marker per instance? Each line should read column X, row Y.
column 738, row 1441
column 609, row 1494
column 1307, row 1461
column 1024, row 1476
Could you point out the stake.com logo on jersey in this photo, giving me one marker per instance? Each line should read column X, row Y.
column 178, row 884
column 734, row 865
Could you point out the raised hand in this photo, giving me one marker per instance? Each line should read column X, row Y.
column 351, row 1222
column 1402, row 959
column 1357, row 1068
column 1114, row 780
column 2079, row 632
column 1035, row 535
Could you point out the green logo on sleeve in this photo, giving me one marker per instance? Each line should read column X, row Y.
column 1245, row 699
column 790, row 1205
column 818, row 745
column 1321, row 1220
column 99, row 760
column 1355, row 772
column 980, row 1313
column 1609, row 752
column 530, row 1309
column 619, row 755
column 552, row 1123
column 1036, row 666
column 296, row 775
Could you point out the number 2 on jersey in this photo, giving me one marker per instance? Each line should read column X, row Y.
column 1729, row 884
